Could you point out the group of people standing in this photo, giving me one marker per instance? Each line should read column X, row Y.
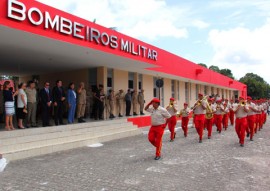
column 29, row 101
column 248, row 116
column 116, row 103
column 24, row 102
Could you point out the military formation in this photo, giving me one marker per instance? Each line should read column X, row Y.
column 247, row 116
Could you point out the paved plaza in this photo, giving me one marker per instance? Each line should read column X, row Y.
column 219, row 164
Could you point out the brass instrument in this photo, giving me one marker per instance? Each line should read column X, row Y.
column 243, row 103
column 198, row 102
column 171, row 104
column 209, row 113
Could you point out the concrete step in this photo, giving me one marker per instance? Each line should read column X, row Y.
column 40, row 130
column 28, row 142
column 33, row 142
column 64, row 131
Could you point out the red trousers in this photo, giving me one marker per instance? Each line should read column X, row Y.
column 251, row 125
column 231, row 117
column 171, row 125
column 199, row 124
column 185, row 125
column 257, row 122
column 240, row 128
column 225, row 120
column 155, row 137
column 209, row 126
column 261, row 121
column 265, row 117
column 218, row 119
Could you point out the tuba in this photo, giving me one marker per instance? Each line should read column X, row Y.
column 209, row 113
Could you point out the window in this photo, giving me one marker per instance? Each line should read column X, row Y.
column 178, row 90
column 186, row 92
column 140, row 81
column 173, row 88
column 109, row 79
column 131, row 80
column 197, row 91
column 205, row 90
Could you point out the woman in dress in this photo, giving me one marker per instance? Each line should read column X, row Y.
column 9, row 105
column 71, row 103
column 21, row 105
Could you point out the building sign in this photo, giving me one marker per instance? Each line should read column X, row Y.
column 18, row 11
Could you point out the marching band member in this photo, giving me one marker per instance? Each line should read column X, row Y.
column 184, row 113
column 218, row 115
column 158, row 124
column 241, row 120
column 251, row 118
column 199, row 115
column 171, row 108
column 231, row 114
column 265, row 106
column 258, row 116
column 209, row 117
column 226, row 113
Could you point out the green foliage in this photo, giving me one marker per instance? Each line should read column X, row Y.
column 227, row 72
column 214, row 68
column 203, row 65
column 256, row 86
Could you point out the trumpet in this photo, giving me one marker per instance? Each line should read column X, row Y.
column 171, row 104
column 243, row 103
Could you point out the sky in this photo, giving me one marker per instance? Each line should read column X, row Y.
column 230, row 34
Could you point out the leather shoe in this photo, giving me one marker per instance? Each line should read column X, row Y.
column 241, row 145
column 157, row 157
column 171, row 140
column 200, row 141
column 247, row 134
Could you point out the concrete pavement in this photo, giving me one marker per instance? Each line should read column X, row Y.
column 218, row 164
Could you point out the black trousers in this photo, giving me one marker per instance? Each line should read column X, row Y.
column 45, row 114
column 128, row 107
column 98, row 109
column 58, row 113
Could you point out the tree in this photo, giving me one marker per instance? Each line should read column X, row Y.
column 256, row 86
column 214, row 68
column 203, row 65
column 227, row 72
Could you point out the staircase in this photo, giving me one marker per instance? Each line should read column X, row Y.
column 20, row 144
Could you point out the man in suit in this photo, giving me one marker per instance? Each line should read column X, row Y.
column 141, row 101
column 128, row 102
column 58, row 96
column 46, row 100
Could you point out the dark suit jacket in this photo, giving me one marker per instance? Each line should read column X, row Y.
column 44, row 96
column 57, row 94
